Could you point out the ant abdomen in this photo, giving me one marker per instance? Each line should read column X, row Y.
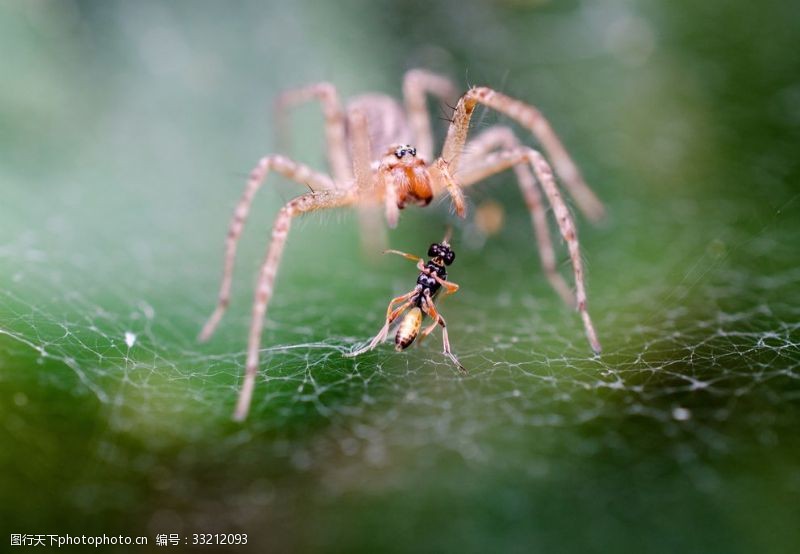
column 408, row 329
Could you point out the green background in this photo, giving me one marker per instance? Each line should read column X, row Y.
column 126, row 132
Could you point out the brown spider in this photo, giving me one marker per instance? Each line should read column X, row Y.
column 373, row 165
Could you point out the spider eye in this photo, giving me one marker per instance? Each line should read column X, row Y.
column 399, row 153
column 433, row 250
column 412, row 151
column 449, row 257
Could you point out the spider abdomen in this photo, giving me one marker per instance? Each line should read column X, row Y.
column 408, row 329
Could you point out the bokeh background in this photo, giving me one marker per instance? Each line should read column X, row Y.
column 126, row 133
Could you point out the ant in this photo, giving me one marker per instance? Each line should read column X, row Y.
column 432, row 277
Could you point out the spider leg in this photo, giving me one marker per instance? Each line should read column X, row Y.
column 475, row 166
column 373, row 231
column 502, row 160
column 335, row 136
column 416, row 83
column 391, row 315
column 528, row 116
column 430, row 309
column 297, row 172
column 441, row 173
column 390, row 196
column 266, row 278
column 360, row 148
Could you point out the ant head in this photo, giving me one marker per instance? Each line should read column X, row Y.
column 442, row 251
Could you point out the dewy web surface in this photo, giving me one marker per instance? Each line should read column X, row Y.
column 721, row 343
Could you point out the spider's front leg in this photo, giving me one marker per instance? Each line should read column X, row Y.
column 266, row 278
column 442, row 175
column 531, row 118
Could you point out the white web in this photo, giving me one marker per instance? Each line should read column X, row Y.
column 684, row 354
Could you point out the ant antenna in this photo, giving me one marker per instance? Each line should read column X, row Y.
column 447, row 235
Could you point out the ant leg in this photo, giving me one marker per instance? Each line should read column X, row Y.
column 430, row 309
column 412, row 257
column 449, row 286
column 391, row 315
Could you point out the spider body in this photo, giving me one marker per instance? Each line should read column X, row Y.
column 419, row 302
column 373, row 166
column 409, row 175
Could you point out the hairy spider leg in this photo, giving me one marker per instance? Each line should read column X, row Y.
column 390, row 196
column 360, row 148
column 370, row 221
column 441, row 172
column 297, row 172
column 502, row 160
column 416, row 84
column 335, row 136
column 531, row 118
column 266, row 278
column 430, row 309
column 474, row 169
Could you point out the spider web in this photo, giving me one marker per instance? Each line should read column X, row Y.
column 701, row 355
column 107, row 272
column 701, row 366
column 678, row 350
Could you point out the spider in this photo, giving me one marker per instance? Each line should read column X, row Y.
column 432, row 277
column 375, row 167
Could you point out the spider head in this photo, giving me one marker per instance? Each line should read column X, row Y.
column 409, row 174
column 405, row 150
column 443, row 251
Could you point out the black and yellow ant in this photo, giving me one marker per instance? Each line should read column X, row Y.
column 432, row 278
